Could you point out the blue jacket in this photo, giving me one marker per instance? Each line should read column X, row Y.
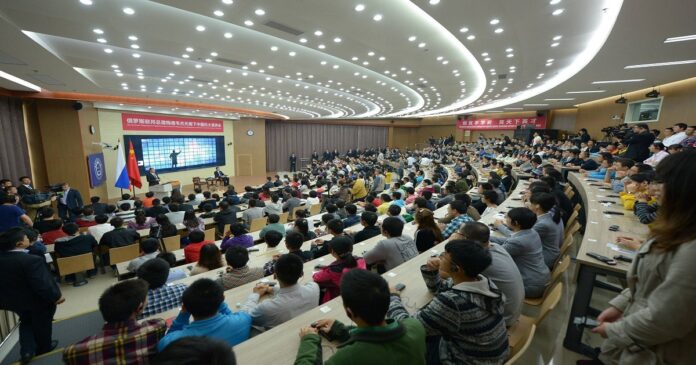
column 227, row 326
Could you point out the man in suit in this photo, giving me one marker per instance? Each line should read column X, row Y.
column 638, row 143
column 315, row 155
column 28, row 194
column 293, row 163
column 221, row 175
column 69, row 203
column 152, row 177
column 29, row 290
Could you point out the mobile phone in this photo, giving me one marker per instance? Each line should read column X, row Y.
column 515, row 198
column 591, row 180
column 613, row 196
column 607, row 201
column 252, row 249
column 614, row 228
column 612, row 212
column 400, row 287
column 584, row 321
column 319, row 266
column 623, row 258
column 602, row 258
column 322, row 333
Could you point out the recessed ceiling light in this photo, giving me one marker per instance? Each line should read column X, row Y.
column 86, row 2
column 198, row 66
column 101, row 40
column 248, row 23
column 377, row 17
column 318, row 33
column 108, row 50
column 128, row 11
column 421, row 45
column 214, row 54
column 335, row 67
column 253, row 63
column 200, row 28
column 617, row 81
column 177, row 63
column 260, row 12
column 382, row 58
column 114, row 66
column 323, row 63
column 189, row 49
column 292, row 54
column 136, row 55
column 661, row 64
column 471, row 37
column 498, row 30
column 550, row 60
column 510, row 55
column 554, row 2
column 321, row 46
column 494, row 21
column 227, row 2
column 274, row 48
column 98, row 31
column 554, row 44
column 135, row 46
column 337, row 40
column 487, row 59
column 185, row 55
column 303, row 40
column 586, row 92
column 484, row 54
column 558, row 12
column 557, row 38
column 681, row 39
column 434, row 2
column 463, row 30
column 218, row 13
column 359, row 7
column 132, row 38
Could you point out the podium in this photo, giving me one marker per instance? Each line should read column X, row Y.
column 162, row 190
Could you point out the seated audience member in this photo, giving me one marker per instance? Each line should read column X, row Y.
column 548, row 225
column 156, row 209
column 164, row 228
column 523, row 243
column 122, row 340
column 503, row 271
column 290, row 202
column 120, row 236
column 74, row 244
column 288, row 299
column 125, row 212
column 489, row 198
column 149, row 199
column 351, row 217
column 457, row 210
column 126, row 198
column 205, row 301
column 428, row 233
column 637, row 184
column 55, row 231
column 207, row 199
column 175, row 273
column 141, row 221
column 302, row 226
column 386, row 202
column 332, row 210
column 293, row 242
column 45, row 220
column 175, row 215
column 375, row 339
column 102, row 226
column 428, row 195
column 207, row 211
column 312, row 199
column 367, row 220
column 335, row 228
column 395, row 249
column 239, row 237
column 209, row 259
column 226, row 215
column 192, row 223
column 97, row 207
column 647, row 203
column 196, row 350
column 273, row 206
column 196, row 242
column 86, row 218
column 36, row 246
column 272, row 239
column 395, row 211
column 238, row 273
column 465, row 317
column 273, row 225
column 149, row 249
column 161, row 296
column 329, row 277
column 253, row 212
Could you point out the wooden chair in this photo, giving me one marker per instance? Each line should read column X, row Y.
column 567, row 244
column 314, row 209
column 197, row 182
column 521, row 335
column 570, row 194
column 75, row 265
column 124, row 253
column 571, row 231
column 210, row 182
column 257, row 223
column 170, row 244
column 284, row 217
column 210, row 234
column 558, row 270
column 573, row 217
column 577, row 207
column 291, row 214
column 549, row 303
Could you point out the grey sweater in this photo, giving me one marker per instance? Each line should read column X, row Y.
column 525, row 248
column 393, row 251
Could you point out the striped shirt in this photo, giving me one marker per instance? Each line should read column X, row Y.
column 454, row 225
column 164, row 298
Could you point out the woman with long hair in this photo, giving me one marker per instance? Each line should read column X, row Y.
column 164, row 227
column 428, row 233
column 302, row 226
column 652, row 321
column 329, row 277
column 548, row 225
column 193, row 223
column 210, row 259
column 141, row 221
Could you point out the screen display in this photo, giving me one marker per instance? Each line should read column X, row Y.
column 176, row 153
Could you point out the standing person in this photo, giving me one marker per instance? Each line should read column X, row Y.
column 69, row 203
column 152, row 178
column 293, row 163
column 377, row 183
column 639, row 143
column 652, row 321
column 11, row 215
column 29, row 290
column 174, row 157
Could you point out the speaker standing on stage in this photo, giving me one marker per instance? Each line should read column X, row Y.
column 152, row 178
column 69, row 203
column 173, row 156
column 293, row 163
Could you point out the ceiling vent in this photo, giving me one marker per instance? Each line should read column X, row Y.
column 283, row 28
column 229, row 61
column 502, row 76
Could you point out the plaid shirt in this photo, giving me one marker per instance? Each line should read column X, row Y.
column 453, row 226
column 164, row 298
column 127, row 342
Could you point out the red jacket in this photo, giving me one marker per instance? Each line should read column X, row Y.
column 329, row 278
column 50, row 237
column 192, row 251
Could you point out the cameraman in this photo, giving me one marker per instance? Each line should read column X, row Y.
column 638, row 143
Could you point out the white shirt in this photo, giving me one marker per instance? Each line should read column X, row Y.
column 176, row 217
column 656, row 158
column 287, row 303
column 537, row 140
column 674, row 139
column 97, row 231
column 64, row 198
column 311, row 201
column 410, row 160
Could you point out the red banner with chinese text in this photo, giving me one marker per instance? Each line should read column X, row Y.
column 502, row 123
column 142, row 122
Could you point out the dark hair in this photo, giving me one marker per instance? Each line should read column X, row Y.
column 331, row 208
column 476, row 231
column 169, row 257
column 396, row 195
column 491, row 195
column 393, row 226
column 196, row 236
column 394, row 210
column 237, row 256
column 641, row 177
column 210, row 257
column 351, row 209
column 369, row 207
column 547, row 202
column 469, row 256
column 9, row 238
column 681, row 125
column 335, row 225
column 94, row 199
column 195, row 351
column 459, row 206
column 101, row 218
column 385, row 198
column 32, row 234
column 625, row 162
column 149, row 245
column 154, row 271
column 121, row 300
column 203, row 298
column 288, row 269
column 116, row 222
column 224, row 205
column 238, row 229
column 464, row 198
column 273, row 218
column 342, row 246
column 524, row 217
column 294, row 240
column 273, row 238
column 70, row 228
column 366, row 294
column 674, row 224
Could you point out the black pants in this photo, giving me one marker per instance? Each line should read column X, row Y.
column 432, row 350
column 293, row 167
column 35, row 330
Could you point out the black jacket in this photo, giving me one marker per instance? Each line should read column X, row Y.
column 119, row 237
column 367, row 232
column 224, row 217
column 25, row 283
column 155, row 211
column 77, row 245
column 638, row 145
column 99, row 208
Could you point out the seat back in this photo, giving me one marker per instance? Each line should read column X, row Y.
column 560, row 268
column 75, row 264
column 571, row 231
column 315, row 209
column 284, row 217
column 524, row 330
column 291, row 214
column 172, row 243
column 549, row 303
column 570, row 194
column 257, row 223
column 567, row 243
column 577, row 207
column 210, row 234
column 124, row 253
column 573, row 217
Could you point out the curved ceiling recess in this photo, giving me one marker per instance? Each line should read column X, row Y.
column 313, row 59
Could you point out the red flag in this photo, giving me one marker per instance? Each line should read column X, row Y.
column 132, row 167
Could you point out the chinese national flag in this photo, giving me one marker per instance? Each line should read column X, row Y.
column 132, row 167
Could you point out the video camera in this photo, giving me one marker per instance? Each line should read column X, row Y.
column 620, row 131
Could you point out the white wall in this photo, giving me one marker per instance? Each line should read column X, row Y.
column 111, row 130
